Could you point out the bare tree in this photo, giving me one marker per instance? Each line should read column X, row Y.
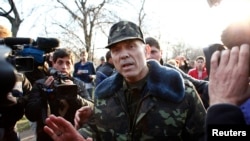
column 86, row 16
column 178, row 49
column 14, row 20
column 16, row 14
column 183, row 49
column 139, row 8
column 142, row 13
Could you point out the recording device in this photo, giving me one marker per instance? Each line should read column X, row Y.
column 27, row 53
column 61, row 89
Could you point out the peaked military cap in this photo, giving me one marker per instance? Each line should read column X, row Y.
column 124, row 30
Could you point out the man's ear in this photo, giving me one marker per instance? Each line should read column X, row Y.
column 147, row 50
column 53, row 63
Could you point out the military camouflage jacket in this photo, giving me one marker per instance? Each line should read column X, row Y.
column 169, row 110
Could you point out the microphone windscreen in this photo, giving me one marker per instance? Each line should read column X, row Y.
column 11, row 41
column 47, row 44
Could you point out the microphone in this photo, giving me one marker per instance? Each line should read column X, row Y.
column 47, row 44
column 10, row 41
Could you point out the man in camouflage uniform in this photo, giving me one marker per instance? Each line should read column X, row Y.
column 144, row 100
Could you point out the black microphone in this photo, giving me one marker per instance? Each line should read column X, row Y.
column 47, row 44
column 11, row 41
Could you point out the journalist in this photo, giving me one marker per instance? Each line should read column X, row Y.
column 59, row 94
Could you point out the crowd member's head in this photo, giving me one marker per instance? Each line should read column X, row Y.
column 181, row 60
column 156, row 52
column 183, row 63
column 5, row 32
column 63, row 60
column 108, row 57
column 128, row 50
column 84, row 55
column 173, row 62
column 200, row 62
column 102, row 60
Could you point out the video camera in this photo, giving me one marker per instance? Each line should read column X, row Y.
column 27, row 53
column 61, row 89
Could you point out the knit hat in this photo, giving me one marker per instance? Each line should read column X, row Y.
column 124, row 30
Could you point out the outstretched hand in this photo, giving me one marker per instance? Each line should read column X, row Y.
column 82, row 116
column 229, row 76
column 60, row 129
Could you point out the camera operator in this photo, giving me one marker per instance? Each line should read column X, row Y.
column 12, row 103
column 55, row 94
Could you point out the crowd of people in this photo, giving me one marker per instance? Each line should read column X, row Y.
column 144, row 113
column 133, row 95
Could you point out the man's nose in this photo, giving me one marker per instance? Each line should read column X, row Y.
column 64, row 65
column 124, row 54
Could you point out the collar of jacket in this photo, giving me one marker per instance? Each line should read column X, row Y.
column 162, row 81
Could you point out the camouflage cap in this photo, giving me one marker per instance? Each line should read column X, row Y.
column 124, row 30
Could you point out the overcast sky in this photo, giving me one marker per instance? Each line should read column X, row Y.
column 190, row 21
column 184, row 19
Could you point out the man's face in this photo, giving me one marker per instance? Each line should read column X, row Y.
column 155, row 53
column 200, row 64
column 129, row 58
column 63, row 65
column 84, row 56
column 181, row 60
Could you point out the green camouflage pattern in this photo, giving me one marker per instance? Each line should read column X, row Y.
column 124, row 30
column 156, row 119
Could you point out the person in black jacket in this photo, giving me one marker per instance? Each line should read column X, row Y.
column 59, row 94
column 12, row 104
column 105, row 70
